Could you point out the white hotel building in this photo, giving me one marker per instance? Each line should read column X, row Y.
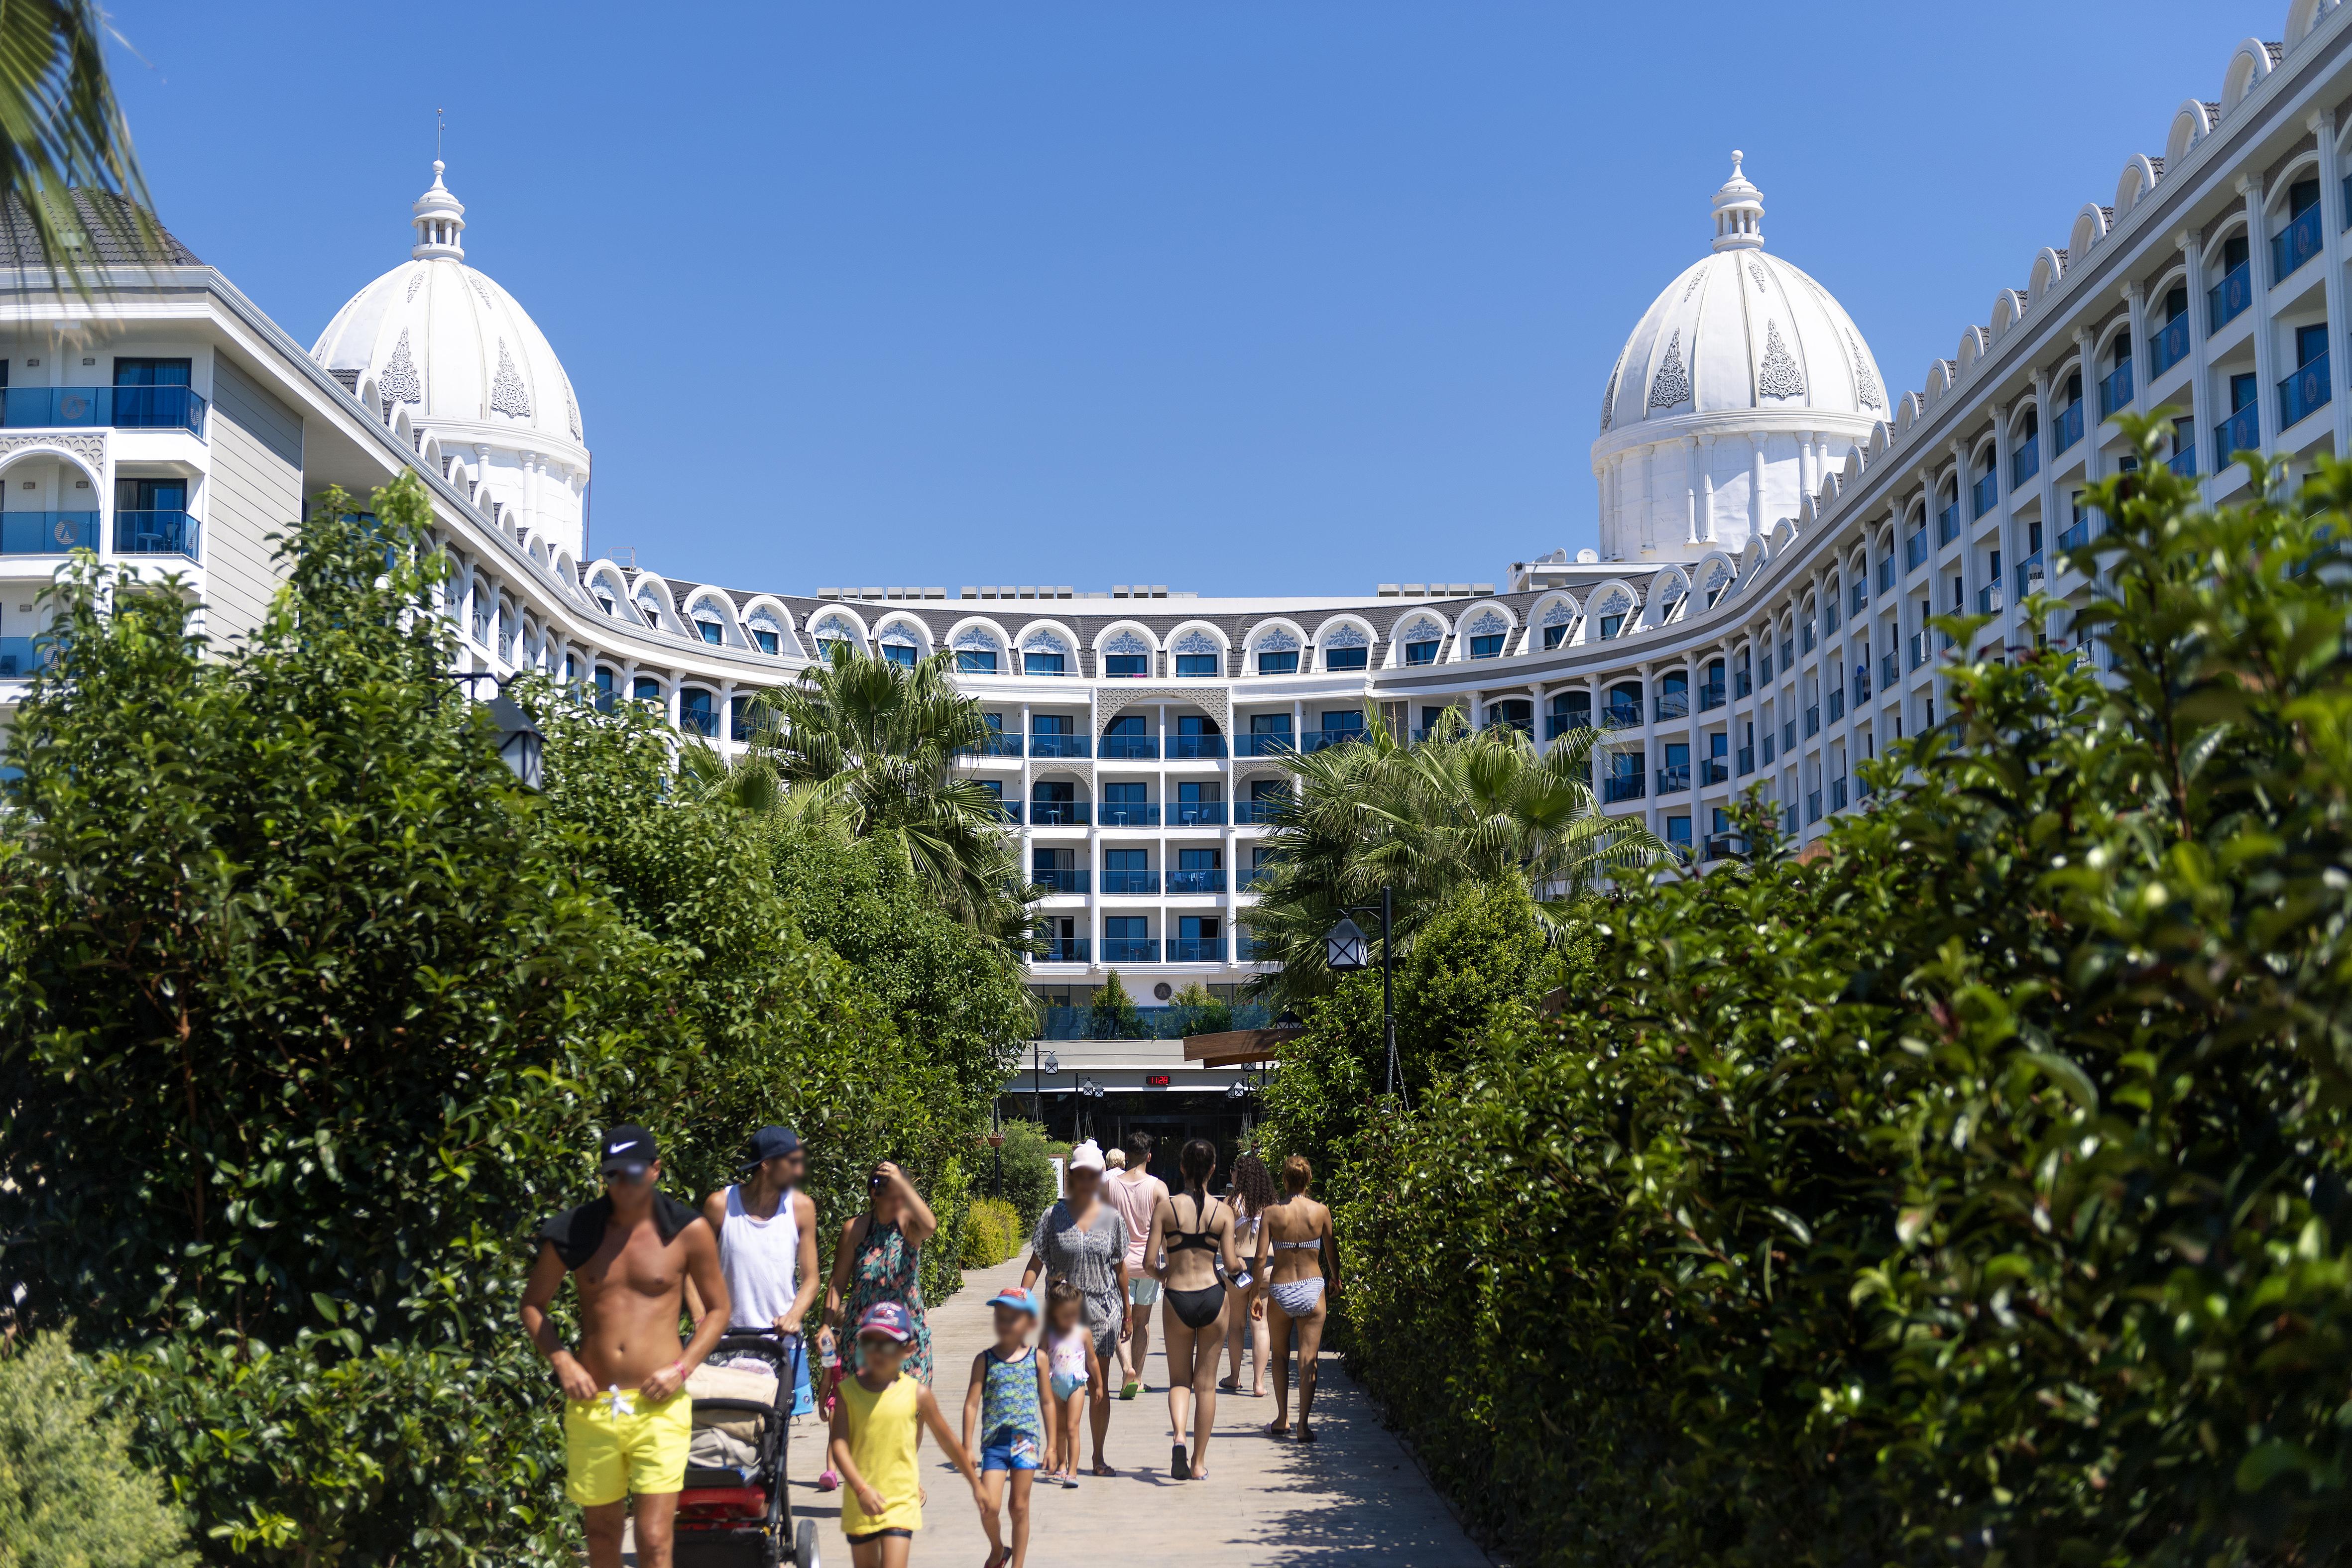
column 1777, row 522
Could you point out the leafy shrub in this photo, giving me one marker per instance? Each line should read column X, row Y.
column 71, row 1496
column 992, row 1233
column 1114, row 1014
column 1974, row 1191
column 1028, row 1155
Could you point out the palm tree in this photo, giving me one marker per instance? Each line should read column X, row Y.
column 1459, row 810
column 873, row 745
column 69, row 163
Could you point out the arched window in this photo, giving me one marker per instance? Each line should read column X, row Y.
column 648, row 690
column 695, row 713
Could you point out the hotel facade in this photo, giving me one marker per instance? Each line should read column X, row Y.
column 1777, row 523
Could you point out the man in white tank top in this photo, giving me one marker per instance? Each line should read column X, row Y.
column 767, row 1246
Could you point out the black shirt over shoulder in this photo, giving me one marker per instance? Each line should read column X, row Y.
column 576, row 1233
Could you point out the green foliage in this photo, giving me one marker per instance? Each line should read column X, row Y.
column 69, row 1495
column 1205, row 1014
column 1974, row 1191
column 1113, row 1015
column 1029, row 1156
column 991, row 1233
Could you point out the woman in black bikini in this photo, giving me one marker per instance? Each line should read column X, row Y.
column 1191, row 1234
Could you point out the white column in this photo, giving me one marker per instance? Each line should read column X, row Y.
column 1706, row 531
column 2201, row 394
column 2136, row 305
column 1690, row 489
column 2258, row 271
column 1756, row 515
column 2331, row 220
column 1806, row 477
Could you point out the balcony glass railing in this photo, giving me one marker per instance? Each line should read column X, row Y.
column 46, row 533
column 1787, row 738
column 1989, row 599
column 1321, row 740
column 1060, row 814
column 1743, row 684
column 2067, row 430
column 1621, row 786
column 1059, row 746
column 2076, row 537
column 1621, row 715
column 2183, row 463
column 1130, row 881
column 1674, row 705
column 2115, row 390
column 1196, row 748
column 1914, row 551
column 2242, row 432
column 2304, row 392
column 1008, row 811
column 1886, row 575
column 1128, row 747
column 124, row 408
column 1858, row 599
column 1127, row 814
column 2169, row 345
column 2227, row 300
column 1890, row 669
column 1558, row 724
column 1252, row 877
column 1983, row 496
column 1746, row 758
column 1710, row 696
column 1860, row 687
column 18, row 658
column 1918, row 649
column 703, row 722
column 1275, row 744
column 1065, row 950
column 2026, row 460
column 2029, row 578
column 1674, row 780
column 1131, row 950
column 1837, row 703
column 2296, row 244
column 1065, row 879
column 1837, row 794
column 1812, row 722
column 1249, row 813
column 1196, row 949
column 154, row 533
column 1715, row 770
column 1210, row 881
column 998, row 743
column 1196, row 814
column 1947, row 524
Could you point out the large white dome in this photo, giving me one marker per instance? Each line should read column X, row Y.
column 1742, row 380
column 440, row 347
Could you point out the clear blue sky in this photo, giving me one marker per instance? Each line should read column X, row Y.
column 1286, row 299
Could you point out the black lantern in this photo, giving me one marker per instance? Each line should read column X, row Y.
column 1343, row 948
column 521, row 746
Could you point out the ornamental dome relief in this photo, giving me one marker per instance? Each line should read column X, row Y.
column 1740, row 386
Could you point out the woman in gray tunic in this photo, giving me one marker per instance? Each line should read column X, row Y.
column 1083, row 1239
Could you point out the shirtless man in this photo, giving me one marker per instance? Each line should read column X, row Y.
column 626, row 1419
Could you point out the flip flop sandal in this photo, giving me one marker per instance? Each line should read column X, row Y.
column 1305, row 1433
column 1178, row 1465
column 830, row 1480
column 1130, row 1390
column 1099, row 1470
column 1227, row 1385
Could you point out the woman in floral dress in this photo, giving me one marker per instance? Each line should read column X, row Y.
column 880, row 1260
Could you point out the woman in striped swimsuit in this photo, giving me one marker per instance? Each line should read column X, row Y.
column 1302, row 1253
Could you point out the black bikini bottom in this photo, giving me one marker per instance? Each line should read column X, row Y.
column 1198, row 1308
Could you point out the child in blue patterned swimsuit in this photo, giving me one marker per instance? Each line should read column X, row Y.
column 1009, row 1400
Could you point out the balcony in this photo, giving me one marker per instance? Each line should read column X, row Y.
column 1983, row 496
column 1059, row 746
column 1789, row 821
column 1989, row 599
column 1674, row 705
column 2030, row 578
column 2296, row 244
column 1130, row 881
column 1131, row 950
column 46, row 533
column 1812, row 723
column 154, row 533
column 1066, row 878
column 1858, row 600
column 1890, row 669
column 1947, row 524
column 1127, row 814
column 1710, row 696
column 1272, row 744
column 1743, row 684
column 2242, row 432
column 1812, row 813
column 1914, row 551
column 1618, row 786
column 1746, row 759
column 1622, row 715
column 1251, row 878
column 1129, row 748
column 1837, row 794
column 2227, row 300
column 1060, row 814
column 1558, row 724
column 1196, row 814
column 1196, row 949
column 1726, row 846
column 2115, row 390
column 1210, row 881
column 2076, row 537
column 2169, row 345
column 2183, row 463
column 1886, row 575
column 1196, row 748
column 2304, row 392
column 1673, row 780
column 1918, row 649
column 1787, row 738
column 123, row 408
column 19, row 658
column 998, row 743
column 1837, row 703
column 1322, row 739
column 1256, row 813
column 1714, row 771
column 1008, row 811
column 1860, row 687
column 2067, row 431
column 2026, row 460
column 1804, row 639
column 1063, row 950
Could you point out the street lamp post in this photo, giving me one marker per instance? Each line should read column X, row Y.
column 521, row 746
column 1343, row 950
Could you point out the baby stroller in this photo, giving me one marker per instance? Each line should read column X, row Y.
column 739, row 1514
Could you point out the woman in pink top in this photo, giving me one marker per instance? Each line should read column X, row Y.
column 1135, row 1192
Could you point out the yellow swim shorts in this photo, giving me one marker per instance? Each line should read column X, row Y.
column 614, row 1446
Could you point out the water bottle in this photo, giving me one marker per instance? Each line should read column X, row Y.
column 827, row 1357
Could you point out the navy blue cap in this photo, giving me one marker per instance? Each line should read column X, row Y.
column 771, row 1143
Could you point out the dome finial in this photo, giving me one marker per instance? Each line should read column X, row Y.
column 1738, row 210
column 438, row 219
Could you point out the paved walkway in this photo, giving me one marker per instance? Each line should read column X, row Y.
column 1354, row 1497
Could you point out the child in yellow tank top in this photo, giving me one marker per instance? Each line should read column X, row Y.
column 876, row 1429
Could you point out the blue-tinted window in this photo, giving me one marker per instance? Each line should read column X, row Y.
column 1126, row 664
column 1347, row 658
column 1126, row 723
column 1678, row 831
column 1343, row 721
column 1269, row 724
column 899, row 654
column 1269, row 790
column 1194, row 724
column 1051, row 724
column 975, row 661
column 648, row 690
column 1127, row 928
column 1127, row 859
column 1555, row 635
column 711, row 630
column 1198, row 664
column 1486, row 647
column 604, row 681
column 1420, row 653
column 1200, row 860
column 1196, row 928
column 1278, row 664
column 768, row 640
column 1196, row 794
column 1053, row 792
column 1612, row 624
column 1041, row 664
column 1123, row 794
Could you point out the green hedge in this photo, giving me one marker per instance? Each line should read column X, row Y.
column 1974, row 1191
column 69, row 1492
column 992, row 1233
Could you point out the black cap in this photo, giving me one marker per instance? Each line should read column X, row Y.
column 626, row 1150
column 771, row 1143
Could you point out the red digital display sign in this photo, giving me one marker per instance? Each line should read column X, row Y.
column 1155, row 1080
